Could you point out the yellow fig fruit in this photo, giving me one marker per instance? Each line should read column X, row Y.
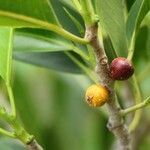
column 96, row 95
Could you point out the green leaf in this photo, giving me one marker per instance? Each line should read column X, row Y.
column 76, row 21
column 146, row 20
column 10, row 144
column 48, row 50
column 69, row 3
column 44, row 41
column 111, row 54
column 72, row 21
column 23, row 13
column 142, row 46
column 29, row 42
column 35, row 14
column 63, row 18
column 52, row 60
column 112, row 19
column 129, row 4
column 6, row 35
column 136, row 15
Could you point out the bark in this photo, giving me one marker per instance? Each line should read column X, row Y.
column 33, row 145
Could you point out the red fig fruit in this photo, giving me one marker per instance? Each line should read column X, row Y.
column 121, row 69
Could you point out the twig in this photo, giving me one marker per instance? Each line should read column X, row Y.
column 18, row 131
column 135, row 107
column 115, row 123
column 33, row 145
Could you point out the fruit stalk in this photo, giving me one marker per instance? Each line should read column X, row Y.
column 115, row 123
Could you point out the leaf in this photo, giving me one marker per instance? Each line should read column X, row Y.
column 129, row 3
column 10, row 144
column 69, row 3
column 29, row 42
column 25, row 13
column 46, row 42
column 142, row 46
column 63, row 17
column 109, row 48
column 112, row 19
column 35, row 14
column 52, row 60
column 53, row 42
column 33, row 50
column 72, row 21
column 75, row 20
column 146, row 20
column 41, row 17
column 6, row 35
column 136, row 15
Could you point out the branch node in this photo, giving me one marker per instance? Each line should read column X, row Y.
column 33, row 145
column 104, row 61
column 111, row 127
